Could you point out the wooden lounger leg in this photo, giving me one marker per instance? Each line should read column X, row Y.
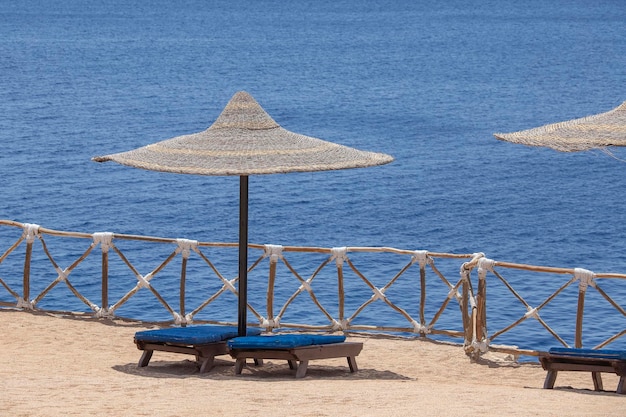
column 207, row 364
column 550, row 379
column 597, row 381
column 352, row 364
column 302, row 369
column 292, row 364
column 239, row 364
column 621, row 385
column 145, row 358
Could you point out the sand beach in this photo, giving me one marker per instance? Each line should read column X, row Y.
column 63, row 366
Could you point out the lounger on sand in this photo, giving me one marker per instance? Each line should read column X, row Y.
column 205, row 342
column 293, row 348
column 586, row 360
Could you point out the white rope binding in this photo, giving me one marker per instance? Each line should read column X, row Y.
column 21, row 303
column 482, row 346
column 178, row 319
column 485, row 265
column 185, row 246
column 270, row 324
column 454, row 293
column 339, row 255
column 275, row 252
column 31, row 231
column 418, row 328
column 105, row 240
column 102, row 312
column 585, row 278
column 62, row 274
column 230, row 285
column 531, row 312
column 421, row 256
column 306, row 285
column 340, row 325
column 143, row 281
column 378, row 294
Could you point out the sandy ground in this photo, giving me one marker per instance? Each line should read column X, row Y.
column 54, row 366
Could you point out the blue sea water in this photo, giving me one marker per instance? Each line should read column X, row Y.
column 427, row 82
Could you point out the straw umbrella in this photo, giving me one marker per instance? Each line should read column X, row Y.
column 244, row 141
column 599, row 131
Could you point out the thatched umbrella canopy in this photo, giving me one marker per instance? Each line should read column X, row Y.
column 599, row 131
column 243, row 141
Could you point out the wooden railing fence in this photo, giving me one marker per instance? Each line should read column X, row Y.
column 337, row 317
column 579, row 279
column 429, row 294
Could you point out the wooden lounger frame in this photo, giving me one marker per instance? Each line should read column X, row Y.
column 301, row 354
column 560, row 362
column 205, row 353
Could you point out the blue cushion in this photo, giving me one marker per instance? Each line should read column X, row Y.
column 283, row 341
column 590, row 353
column 192, row 335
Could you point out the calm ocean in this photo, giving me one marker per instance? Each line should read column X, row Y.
column 427, row 82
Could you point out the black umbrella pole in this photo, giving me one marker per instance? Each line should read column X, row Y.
column 243, row 255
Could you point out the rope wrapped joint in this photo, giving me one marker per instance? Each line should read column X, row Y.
column 421, row 257
column 21, row 303
column 178, row 319
column 340, row 325
column 63, row 274
column 378, row 294
column 105, row 240
column 480, row 346
column 185, row 246
column 230, row 285
column 102, row 312
column 531, row 312
column 419, row 328
column 339, row 255
column 31, row 231
column 454, row 293
column 274, row 252
column 271, row 323
column 585, row 279
column 143, row 281
column 306, row 286
column 485, row 265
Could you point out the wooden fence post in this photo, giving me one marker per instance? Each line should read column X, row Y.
column 484, row 265
column 339, row 255
column 185, row 246
column 30, row 232
column 481, row 305
column 467, row 319
column 585, row 278
column 183, row 277
column 275, row 252
column 26, row 282
column 105, row 280
column 105, row 240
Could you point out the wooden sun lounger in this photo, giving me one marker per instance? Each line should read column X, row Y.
column 585, row 360
column 203, row 342
column 297, row 350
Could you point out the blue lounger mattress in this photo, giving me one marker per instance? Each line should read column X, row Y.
column 283, row 341
column 192, row 335
column 590, row 353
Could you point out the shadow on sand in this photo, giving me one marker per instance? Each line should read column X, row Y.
column 270, row 370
